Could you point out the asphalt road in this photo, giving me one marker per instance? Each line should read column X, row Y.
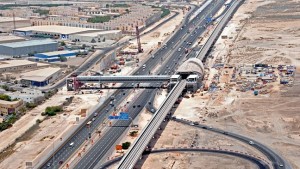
column 277, row 161
column 104, row 145
column 260, row 164
column 100, row 148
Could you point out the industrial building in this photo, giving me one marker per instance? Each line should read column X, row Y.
column 97, row 36
column 54, row 56
column 28, row 47
column 53, row 31
column 7, row 24
column 16, row 65
column 40, row 77
column 9, row 107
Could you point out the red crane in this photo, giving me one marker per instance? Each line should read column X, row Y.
column 140, row 50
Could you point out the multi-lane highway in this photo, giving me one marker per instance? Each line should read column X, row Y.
column 135, row 151
column 171, row 56
column 182, row 39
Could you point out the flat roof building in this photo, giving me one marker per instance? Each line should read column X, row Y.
column 40, row 77
column 10, row 39
column 16, row 65
column 7, row 24
column 25, row 48
column 97, row 36
column 62, row 32
column 9, row 107
column 55, row 56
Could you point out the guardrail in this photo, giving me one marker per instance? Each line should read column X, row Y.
column 147, row 133
column 205, row 48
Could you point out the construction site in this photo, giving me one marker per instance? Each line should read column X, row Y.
column 250, row 87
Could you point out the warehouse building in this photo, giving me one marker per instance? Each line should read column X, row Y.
column 28, row 47
column 54, row 56
column 7, row 24
column 16, row 65
column 40, row 77
column 53, row 31
column 97, row 36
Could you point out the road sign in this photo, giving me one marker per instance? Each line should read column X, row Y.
column 124, row 116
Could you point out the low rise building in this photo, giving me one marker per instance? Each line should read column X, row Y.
column 40, row 77
column 26, row 48
column 10, row 39
column 28, row 95
column 55, row 31
column 16, row 65
column 9, row 107
column 7, row 24
column 97, row 36
column 54, row 56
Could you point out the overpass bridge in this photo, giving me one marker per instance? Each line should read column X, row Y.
column 75, row 83
column 137, row 148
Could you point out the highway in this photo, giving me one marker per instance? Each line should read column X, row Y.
column 217, row 31
column 109, row 140
column 91, row 61
column 137, row 148
column 104, row 145
column 260, row 164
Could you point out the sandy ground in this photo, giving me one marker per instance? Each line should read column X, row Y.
column 260, row 32
column 179, row 135
column 43, row 136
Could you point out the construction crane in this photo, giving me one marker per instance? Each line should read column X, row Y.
column 140, row 50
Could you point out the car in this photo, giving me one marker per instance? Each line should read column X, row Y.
column 210, row 127
column 71, row 144
column 280, row 165
column 173, row 117
column 192, row 124
column 93, row 119
column 204, row 127
column 251, row 142
column 138, row 105
column 226, row 133
column 60, row 162
column 196, row 123
column 133, row 106
column 95, row 114
column 49, row 165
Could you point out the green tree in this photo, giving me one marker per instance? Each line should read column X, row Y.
column 165, row 12
column 126, row 145
column 63, row 58
column 52, row 110
column 62, row 43
column 5, row 97
column 30, row 105
column 99, row 19
column 5, row 87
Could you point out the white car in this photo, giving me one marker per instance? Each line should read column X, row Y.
column 251, row 142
